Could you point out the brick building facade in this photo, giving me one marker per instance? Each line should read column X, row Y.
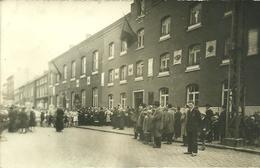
column 165, row 51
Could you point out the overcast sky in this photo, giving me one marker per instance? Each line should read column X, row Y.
column 33, row 32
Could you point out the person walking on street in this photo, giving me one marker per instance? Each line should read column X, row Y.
column 42, row 118
column 193, row 126
column 32, row 120
column 59, row 120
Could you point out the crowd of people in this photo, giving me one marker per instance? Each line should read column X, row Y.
column 21, row 120
column 152, row 124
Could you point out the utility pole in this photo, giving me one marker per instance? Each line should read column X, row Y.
column 237, row 38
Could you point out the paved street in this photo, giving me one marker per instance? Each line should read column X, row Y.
column 87, row 148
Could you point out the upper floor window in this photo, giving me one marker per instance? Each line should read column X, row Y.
column 166, row 26
column 111, row 50
column 72, row 100
column 57, row 78
column 195, row 14
column 65, row 72
column 111, row 76
column 95, row 61
column 193, row 93
column 227, row 48
column 194, row 55
column 164, row 97
column 83, row 65
column 123, row 46
column 123, row 72
column 139, row 68
column 164, row 62
column 140, row 35
column 141, row 7
column 252, row 42
column 73, row 69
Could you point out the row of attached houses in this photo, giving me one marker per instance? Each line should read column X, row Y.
column 167, row 51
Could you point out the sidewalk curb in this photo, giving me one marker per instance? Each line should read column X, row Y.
column 207, row 144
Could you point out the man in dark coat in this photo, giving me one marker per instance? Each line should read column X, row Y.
column 192, row 127
column 209, row 115
column 32, row 120
column 222, row 123
column 59, row 120
column 157, row 125
column 177, row 123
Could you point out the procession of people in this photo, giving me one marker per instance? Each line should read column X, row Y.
column 152, row 124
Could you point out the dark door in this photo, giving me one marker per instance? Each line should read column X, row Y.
column 138, row 98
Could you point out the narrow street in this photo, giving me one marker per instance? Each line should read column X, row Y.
column 78, row 148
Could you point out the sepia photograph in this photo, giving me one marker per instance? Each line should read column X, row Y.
column 129, row 83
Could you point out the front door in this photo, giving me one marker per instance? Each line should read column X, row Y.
column 138, row 98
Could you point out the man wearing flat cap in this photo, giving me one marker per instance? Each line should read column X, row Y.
column 192, row 128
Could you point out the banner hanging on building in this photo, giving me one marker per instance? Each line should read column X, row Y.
column 177, row 56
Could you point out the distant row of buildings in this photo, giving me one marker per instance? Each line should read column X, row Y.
column 167, row 51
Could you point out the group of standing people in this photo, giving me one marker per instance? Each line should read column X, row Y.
column 21, row 119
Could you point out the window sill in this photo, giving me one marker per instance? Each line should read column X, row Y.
column 139, row 78
column 192, row 68
column 123, row 53
column 225, row 62
column 64, row 81
column 195, row 26
column 110, row 84
column 122, row 82
column 83, row 76
column 94, row 73
column 165, row 37
column 72, row 79
column 226, row 14
column 110, row 58
column 139, row 48
column 50, row 86
column 162, row 74
column 57, row 84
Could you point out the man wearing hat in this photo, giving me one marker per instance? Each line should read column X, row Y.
column 192, row 127
column 209, row 115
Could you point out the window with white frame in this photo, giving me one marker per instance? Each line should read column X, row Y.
column 164, row 62
column 195, row 14
column 139, row 68
column 123, row 46
column 95, row 61
column 110, row 101
column 193, row 94
column 123, row 73
column 123, row 100
column 111, row 76
column 72, row 99
column 83, row 98
column 224, row 98
column 166, row 26
column 95, row 97
column 83, row 65
column 111, row 50
column 73, row 69
column 194, row 55
column 65, row 72
column 164, row 97
column 140, row 35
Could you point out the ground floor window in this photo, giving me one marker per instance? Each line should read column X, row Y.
column 95, row 97
column 164, row 97
column 123, row 100
column 110, row 101
column 224, row 99
column 83, row 98
column 193, row 94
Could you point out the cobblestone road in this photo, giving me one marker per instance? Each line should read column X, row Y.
column 78, row 148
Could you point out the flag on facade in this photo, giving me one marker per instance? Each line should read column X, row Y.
column 127, row 32
column 56, row 70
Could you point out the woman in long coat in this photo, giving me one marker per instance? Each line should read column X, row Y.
column 24, row 121
column 32, row 121
column 59, row 120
